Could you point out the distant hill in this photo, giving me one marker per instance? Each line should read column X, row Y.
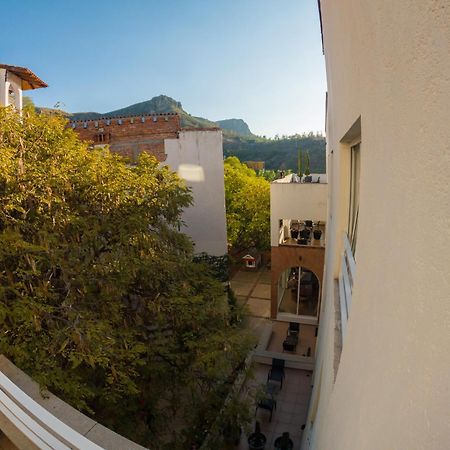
column 159, row 104
column 237, row 126
column 238, row 140
column 278, row 153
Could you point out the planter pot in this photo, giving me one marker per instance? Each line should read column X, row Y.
column 305, row 234
column 283, row 442
column 317, row 234
column 302, row 241
column 257, row 441
column 307, row 179
column 294, row 234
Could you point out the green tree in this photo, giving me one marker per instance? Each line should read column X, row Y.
column 307, row 171
column 247, row 199
column 299, row 163
column 100, row 300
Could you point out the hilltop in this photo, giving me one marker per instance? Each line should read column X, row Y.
column 159, row 104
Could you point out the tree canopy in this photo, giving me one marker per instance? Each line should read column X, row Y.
column 280, row 153
column 100, row 300
column 247, row 198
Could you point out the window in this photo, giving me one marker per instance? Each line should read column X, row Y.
column 102, row 138
column 355, row 164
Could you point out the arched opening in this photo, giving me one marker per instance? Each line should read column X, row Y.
column 13, row 96
column 298, row 292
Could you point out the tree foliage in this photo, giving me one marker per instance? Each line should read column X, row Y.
column 100, row 300
column 247, row 198
column 279, row 153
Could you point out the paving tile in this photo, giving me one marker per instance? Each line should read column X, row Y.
column 261, row 291
column 265, row 278
column 259, row 307
column 241, row 300
column 247, row 277
column 240, row 288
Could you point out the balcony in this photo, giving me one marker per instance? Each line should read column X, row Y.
column 296, row 202
column 30, row 421
column 305, row 233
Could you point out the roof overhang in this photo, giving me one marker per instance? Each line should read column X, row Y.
column 29, row 79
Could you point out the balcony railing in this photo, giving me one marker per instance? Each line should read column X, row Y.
column 38, row 426
column 346, row 280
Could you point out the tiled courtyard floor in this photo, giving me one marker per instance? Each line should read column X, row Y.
column 253, row 290
column 292, row 407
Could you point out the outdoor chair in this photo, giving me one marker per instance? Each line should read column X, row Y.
column 290, row 343
column 276, row 372
column 294, row 329
column 267, row 403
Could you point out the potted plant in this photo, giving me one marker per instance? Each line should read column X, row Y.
column 317, row 234
column 257, row 440
column 305, row 233
column 283, row 442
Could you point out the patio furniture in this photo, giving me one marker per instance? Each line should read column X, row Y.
column 276, row 372
column 268, row 403
column 294, row 329
column 284, row 442
column 290, row 343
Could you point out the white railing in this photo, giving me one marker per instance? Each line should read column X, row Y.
column 42, row 428
column 346, row 280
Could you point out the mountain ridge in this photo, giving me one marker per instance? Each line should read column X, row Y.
column 165, row 104
column 238, row 140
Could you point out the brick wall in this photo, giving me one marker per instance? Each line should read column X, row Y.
column 132, row 135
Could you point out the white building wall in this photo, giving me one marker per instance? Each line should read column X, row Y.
column 306, row 201
column 7, row 80
column 388, row 63
column 197, row 157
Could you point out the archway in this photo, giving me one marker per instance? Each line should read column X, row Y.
column 298, row 292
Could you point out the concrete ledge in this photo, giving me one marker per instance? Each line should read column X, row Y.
column 89, row 428
column 291, row 361
column 263, row 356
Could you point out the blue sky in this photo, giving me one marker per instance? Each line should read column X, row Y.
column 259, row 60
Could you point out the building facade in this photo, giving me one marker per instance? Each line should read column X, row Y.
column 297, row 235
column 195, row 154
column 13, row 81
column 381, row 378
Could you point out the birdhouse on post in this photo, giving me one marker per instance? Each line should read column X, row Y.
column 14, row 80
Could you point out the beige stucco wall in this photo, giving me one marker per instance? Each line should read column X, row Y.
column 197, row 156
column 388, row 63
